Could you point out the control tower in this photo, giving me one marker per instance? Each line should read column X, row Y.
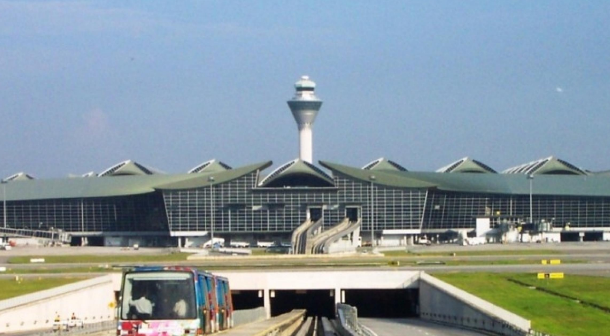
column 305, row 106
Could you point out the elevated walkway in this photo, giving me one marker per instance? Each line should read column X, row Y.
column 318, row 241
column 298, row 240
column 310, row 234
column 333, row 243
column 51, row 235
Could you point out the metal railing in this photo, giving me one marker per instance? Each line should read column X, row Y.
column 348, row 321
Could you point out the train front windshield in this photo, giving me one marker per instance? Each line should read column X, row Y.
column 158, row 296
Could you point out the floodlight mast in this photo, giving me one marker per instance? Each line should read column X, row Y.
column 305, row 106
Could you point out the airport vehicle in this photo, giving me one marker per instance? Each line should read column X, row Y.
column 6, row 244
column 264, row 243
column 239, row 244
column 474, row 241
column 214, row 243
column 280, row 248
column 157, row 300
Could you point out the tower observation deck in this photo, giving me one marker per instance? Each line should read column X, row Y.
column 305, row 106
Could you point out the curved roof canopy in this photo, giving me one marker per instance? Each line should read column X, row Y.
column 548, row 166
column 466, row 165
column 191, row 181
column 19, row 177
column 384, row 164
column 127, row 168
column 600, row 173
column 297, row 173
column 125, row 186
column 212, row 166
column 545, row 184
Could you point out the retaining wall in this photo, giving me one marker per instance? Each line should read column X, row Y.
column 39, row 310
column 444, row 303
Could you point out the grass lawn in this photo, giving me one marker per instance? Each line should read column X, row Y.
column 548, row 313
column 461, row 253
column 110, row 258
column 58, row 270
column 504, row 262
column 587, row 288
column 12, row 288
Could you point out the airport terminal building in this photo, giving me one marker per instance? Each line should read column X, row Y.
column 130, row 203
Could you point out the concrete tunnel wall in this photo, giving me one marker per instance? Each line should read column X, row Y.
column 438, row 301
column 337, row 281
column 38, row 310
column 444, row 303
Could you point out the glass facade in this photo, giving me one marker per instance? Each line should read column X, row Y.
column 238, row 206
column 455, row 210
column 110, row 214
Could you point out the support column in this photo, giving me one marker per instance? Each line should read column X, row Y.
column 338, row 296
column 267, row 302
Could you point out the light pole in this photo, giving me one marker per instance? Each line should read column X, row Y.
column 4, row 201
column 211, row 181
column 530, row 177
column 372, row 179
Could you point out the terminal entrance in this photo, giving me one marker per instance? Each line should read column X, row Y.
column 353, row 213
column 315, row 213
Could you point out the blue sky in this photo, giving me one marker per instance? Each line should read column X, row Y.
column 171, row 84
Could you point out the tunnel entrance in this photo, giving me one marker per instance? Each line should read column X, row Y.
column 247, row 299
column 569, row 236
column 319, row 302
column 384, row 302
column 594, row 236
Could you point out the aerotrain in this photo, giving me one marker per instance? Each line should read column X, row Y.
column 173, row 300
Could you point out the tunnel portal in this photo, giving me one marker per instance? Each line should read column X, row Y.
column 384, row 302
column 319, row 302
column 247, row 299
